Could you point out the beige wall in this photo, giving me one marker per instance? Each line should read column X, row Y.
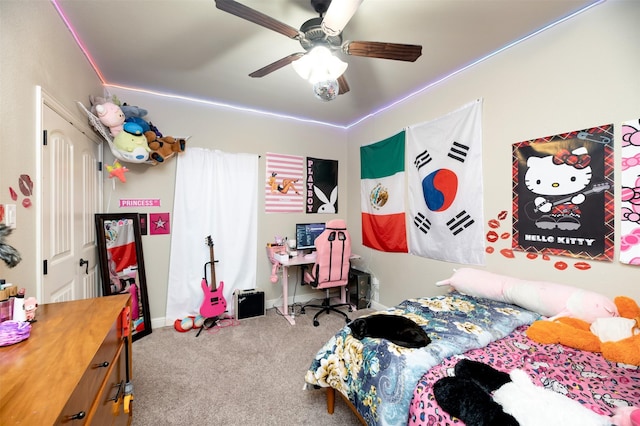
column 36, row 49
column 226, row 130
column 579, row 74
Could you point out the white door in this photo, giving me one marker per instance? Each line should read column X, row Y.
column 71, row 195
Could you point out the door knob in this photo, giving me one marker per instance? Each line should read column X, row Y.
column 85, row 263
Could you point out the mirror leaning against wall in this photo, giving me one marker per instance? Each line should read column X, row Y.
column 122, row 265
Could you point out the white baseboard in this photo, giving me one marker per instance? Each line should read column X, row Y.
column 301, row 298
column 377, row 306
column 271, row 303
column 161, row 322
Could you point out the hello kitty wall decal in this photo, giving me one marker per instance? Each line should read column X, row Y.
column 563, row 194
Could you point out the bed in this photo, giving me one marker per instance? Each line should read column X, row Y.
column 389, row 385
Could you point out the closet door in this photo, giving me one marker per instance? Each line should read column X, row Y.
column 71, row 195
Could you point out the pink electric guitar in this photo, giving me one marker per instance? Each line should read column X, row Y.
column 213, row 304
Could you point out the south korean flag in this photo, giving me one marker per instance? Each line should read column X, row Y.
column 444, row 158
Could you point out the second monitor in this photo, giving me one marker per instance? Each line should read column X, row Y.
column 306, row 234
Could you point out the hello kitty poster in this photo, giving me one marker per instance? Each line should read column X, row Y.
column 563, row 200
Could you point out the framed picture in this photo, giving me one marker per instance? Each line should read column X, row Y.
column 563, row 199
column 122, row 265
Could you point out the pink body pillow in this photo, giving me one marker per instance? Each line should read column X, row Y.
column 546, row 298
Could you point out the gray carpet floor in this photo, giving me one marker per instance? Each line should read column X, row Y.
column 249, row 372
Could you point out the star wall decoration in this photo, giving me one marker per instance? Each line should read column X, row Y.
column 159, row 223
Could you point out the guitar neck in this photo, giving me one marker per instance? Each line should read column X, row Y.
column 213, row 269
column 593, row 190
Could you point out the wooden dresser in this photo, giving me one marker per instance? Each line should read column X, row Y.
column 73, row 367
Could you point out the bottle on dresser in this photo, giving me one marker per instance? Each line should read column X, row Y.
column 19, row 313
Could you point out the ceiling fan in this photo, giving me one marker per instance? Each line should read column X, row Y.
column 324, row 31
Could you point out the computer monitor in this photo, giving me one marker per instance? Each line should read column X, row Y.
column 306, row 234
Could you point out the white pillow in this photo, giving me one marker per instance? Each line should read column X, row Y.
column 613, row 329
column 546, row 298
column 532, row 405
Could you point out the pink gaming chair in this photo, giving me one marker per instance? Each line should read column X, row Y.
column 333, row 250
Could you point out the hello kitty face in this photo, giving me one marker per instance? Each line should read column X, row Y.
column 560, row 174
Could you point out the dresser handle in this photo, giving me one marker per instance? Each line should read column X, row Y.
column 120, row 387
column 78, row 416
column 101, row 365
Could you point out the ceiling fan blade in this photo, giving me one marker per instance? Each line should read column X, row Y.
column 375, row 49
column 276, row 65
column 252, row 15
column 338, row 15
column 343, row 85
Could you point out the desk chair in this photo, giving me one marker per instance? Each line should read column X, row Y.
column 331, row 269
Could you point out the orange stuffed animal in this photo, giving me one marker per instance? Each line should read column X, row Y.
column 163, row 148
column 577, row 334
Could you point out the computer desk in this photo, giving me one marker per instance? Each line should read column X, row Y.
column 299, row 261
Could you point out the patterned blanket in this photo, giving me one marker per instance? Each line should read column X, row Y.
column 379, row 377
column 585, row 377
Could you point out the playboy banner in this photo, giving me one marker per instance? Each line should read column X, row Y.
column 322, row 186
column 630, row 196
column 563, row 194
column 284, row 187
column 445, row 187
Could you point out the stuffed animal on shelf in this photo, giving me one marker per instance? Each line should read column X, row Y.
column 132, row 111
column 163, row 148
column 482, row 395
column 94, row 101
column 133, row 146
column 546, row 298
column 144, row 125
column 617, row 338
column 111, row 116
column 134, row 114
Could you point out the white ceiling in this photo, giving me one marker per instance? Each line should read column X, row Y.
column 190, row 48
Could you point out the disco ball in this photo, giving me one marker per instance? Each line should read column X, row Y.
column 326, row 90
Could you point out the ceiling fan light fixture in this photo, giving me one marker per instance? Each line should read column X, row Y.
column 338, row 15
column 319, row 64
column 322, row 69
column 326, row 90
column 303, row 66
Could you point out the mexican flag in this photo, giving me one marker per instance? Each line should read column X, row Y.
column 121, row 244
column 382, row 188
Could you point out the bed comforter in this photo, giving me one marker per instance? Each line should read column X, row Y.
column 585, row 377
column 379, row 377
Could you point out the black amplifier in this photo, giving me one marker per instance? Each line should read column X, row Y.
column 249, row 303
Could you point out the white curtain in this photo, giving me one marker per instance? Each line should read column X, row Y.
column 216, row 195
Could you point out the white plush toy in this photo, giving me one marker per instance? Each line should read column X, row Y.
column 546, row 298
column 532, row 405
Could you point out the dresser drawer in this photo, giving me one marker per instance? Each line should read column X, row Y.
column 110, row 403
column 85, row 393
